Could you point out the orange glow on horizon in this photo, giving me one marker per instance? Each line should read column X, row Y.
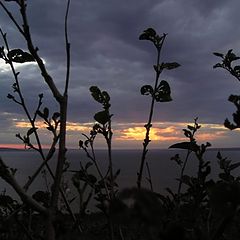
column 71, row 126
column 138, row 133
column 162, row 132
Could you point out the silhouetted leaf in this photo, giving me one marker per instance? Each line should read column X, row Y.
column 80, row 143
column 148, row 34
column 96, row 94
column 186, row 180
column 1, row 52
column 171, row 65
column 101, row 97
column 55, row 116
column 146, row 90
column 237, row 69
column 150, row 31
column 229, row 125
column 106, row 96
column 88, row 164
column 11, row 0
column 233, row 166
column 10, row 96
column 217, row 65
column 234, row 98
column 187, row 133
column 218, row 54
column 42, row 197
column 92, row 179
column 144, row 36
column 163, row 93
column 191, row 128
column 50, row 128
column 102, row 117
column 5, row 200
column 31, row 131
column 192, row 146
column 19, row 56
column 46, row 112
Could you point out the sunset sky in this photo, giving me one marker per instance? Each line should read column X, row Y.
column 106, row 52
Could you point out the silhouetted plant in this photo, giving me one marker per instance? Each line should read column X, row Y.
column 234, row 70
column 56, row 124
column 107, row 181
column 159, row 92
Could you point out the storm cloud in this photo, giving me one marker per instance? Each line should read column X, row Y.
column 105, row 51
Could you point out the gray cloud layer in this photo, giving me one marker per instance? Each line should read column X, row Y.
column 106, row 52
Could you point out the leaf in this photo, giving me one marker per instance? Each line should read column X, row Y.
column 46, row 112
column 55, row 116
column 192, row 146
column 229, row 125
column 31, row 131
column 92, row 179
column 219, row 155
column 50, row 128
column 106, row 96
column 217, row 65
column 96, row 94
column 187, row 133
column 146, row 90
column 237, row 69
column 101, row 97
column 186, row 180
column 40, row 114
column 80, row 143
column 218, row 54
column 19, row 56
column 88, row 164
column 170, row 66
column 150, row 31
column 102, row 117
column 144, row 36
column 10, row 96
column 191, row 128
column 233, row 166
column 163, row 93
column 148, row 34
column 41, row 196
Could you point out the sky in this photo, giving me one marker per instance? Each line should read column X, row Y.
column 106, row 52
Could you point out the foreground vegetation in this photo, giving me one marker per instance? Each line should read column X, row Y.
column 201, row 208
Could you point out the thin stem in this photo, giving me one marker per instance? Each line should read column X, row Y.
column 149, row 176
column 67, row 49
column 12, row 18
column 182, row 172
column 98, row 170
column 109, row 144
column 149, row 123
column 48, row 79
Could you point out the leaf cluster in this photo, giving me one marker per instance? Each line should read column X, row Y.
column 16, row 55
column 227, row 63
column 161, row 94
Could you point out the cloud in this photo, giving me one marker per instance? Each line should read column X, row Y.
column 106, row 52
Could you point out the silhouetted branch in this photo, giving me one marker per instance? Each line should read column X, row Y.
column 6, row 175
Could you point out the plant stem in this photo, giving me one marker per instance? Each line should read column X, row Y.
column 148, row 126
column 181, row 175
column 149, row 176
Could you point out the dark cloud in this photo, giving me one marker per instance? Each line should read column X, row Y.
column 106, row 52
